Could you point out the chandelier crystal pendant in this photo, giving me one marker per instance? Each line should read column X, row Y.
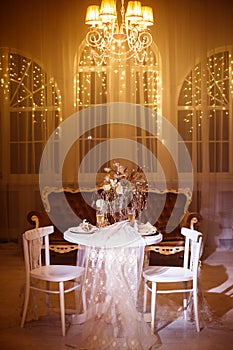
column 119, row 39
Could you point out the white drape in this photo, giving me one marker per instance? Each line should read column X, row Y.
column 112, row 278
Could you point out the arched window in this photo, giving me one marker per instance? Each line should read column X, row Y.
column 205, row 113
column 30, row 108
column 117, row 81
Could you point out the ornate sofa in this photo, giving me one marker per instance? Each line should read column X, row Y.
column 166, row 210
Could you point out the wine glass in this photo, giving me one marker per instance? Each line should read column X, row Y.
column 131, row 215
column 99, row 218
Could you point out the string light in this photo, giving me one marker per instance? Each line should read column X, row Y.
column 145, row 79
column 29, row 93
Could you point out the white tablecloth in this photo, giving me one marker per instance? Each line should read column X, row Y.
column 121, row 234
column 113, row 259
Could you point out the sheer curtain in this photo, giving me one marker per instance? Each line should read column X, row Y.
column 48, row 39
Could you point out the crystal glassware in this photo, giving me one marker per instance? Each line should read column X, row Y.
column 131, row 215
column 100, row 218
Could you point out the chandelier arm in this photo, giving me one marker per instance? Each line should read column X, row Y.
column 145, row 39
column 93, row 38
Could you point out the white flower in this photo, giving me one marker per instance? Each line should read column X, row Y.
column 119, row 188
column 113, row 182
column 121, row 169
column 107, row 187
column 107, row 178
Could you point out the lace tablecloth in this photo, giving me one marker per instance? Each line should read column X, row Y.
column 121, row 234
column 113, row 259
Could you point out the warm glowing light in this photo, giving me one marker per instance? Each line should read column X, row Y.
column 108, row 10
column 92, row 15
column 147, row 16
column 134, row 11
column 119, row 39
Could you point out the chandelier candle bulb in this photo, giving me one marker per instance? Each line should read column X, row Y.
column 134, row 11
column 93, row 15
column 147, row 16
column 108, row 10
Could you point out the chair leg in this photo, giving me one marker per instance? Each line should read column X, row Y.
column 62, row 307
column 26, row 300
column 195, row 302
column 145, row 296
column 84, row 300
column 185, row 302
column 47, row 297
column 153, row 305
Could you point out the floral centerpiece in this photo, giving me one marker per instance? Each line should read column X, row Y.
column 122, row 188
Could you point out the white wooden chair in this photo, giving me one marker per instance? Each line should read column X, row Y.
column 187, row 274
column 33, row 240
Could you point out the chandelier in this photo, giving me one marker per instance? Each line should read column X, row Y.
column 119, row 39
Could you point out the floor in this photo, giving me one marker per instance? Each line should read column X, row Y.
column 216, row 310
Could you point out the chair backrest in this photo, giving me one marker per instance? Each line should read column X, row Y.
column 33, row 240
column 195, row 256
column 191, row 238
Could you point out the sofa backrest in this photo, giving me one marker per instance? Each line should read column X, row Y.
column 164, row 209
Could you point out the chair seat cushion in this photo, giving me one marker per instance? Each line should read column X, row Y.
column 57, row 273
column 167, row 274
